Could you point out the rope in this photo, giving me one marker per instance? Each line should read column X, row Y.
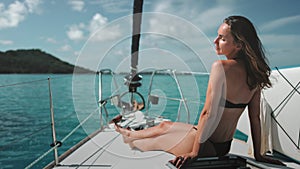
column 290, row 138
column 295, row 89
column 289, row 95
column 64, row 139
column 33, row 81
column 22, row 83
column 41, row 157
column 79, row 125
column 101, row 148
column 286, row 98
column 3, row 147
column 30, row 135
column 288, row 81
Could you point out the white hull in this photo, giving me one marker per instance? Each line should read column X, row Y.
column 282, row 134
column 284, row 101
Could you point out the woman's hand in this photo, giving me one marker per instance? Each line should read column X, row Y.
column 180, row 160
column 266, row 159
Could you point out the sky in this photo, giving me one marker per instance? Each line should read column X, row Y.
column 96, row 34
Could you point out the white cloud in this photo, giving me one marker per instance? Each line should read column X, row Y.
column 178, row 25
column 97, row 22
column 207, row 19
column 281, row 49
column 99, row 32
column 33, row 5
column 66, row 48
column 77, row 5
column 281, row 22
column 211, row 18
column 111, row 33
column 114, row 6
column 162, row 6
column 274, row 39
column 6, row 42
column 16, row 12
column 76, row 32
column 13, row 15
column 169, row 21
column 51, row 40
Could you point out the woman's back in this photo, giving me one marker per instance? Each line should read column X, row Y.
column 238, row 94
column 237, row 89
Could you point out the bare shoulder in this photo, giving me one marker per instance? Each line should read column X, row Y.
column 224, row 63
column 219, row 64
column 217, row 73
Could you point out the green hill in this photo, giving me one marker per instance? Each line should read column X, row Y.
column 34, row 61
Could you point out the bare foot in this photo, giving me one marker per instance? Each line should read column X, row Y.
column 125, row 133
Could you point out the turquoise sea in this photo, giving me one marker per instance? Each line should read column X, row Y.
column 25, row 126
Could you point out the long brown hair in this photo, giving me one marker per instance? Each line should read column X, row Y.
column 252, row 51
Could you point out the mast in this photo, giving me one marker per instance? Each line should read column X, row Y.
column 136, row 30
column 132, row 80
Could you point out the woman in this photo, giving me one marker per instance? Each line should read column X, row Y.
column 234, row 84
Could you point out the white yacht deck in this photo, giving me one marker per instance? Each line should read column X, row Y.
column 106, row 150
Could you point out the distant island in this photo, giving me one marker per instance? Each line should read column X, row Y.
column 35, row 61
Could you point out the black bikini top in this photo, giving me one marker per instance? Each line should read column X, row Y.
column 229, row 104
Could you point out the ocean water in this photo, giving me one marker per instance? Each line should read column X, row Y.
column 25, row 126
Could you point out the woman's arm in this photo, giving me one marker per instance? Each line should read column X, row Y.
column 254, row 117
column 211, row 113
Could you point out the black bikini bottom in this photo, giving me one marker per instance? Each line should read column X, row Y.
column 221, row 149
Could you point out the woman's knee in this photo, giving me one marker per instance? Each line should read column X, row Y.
column 147, row 144
column 165, row 125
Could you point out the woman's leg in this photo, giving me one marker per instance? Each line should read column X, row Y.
column 175, row 138
column 176, row 143
column 163, row 128
column 146, row 133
